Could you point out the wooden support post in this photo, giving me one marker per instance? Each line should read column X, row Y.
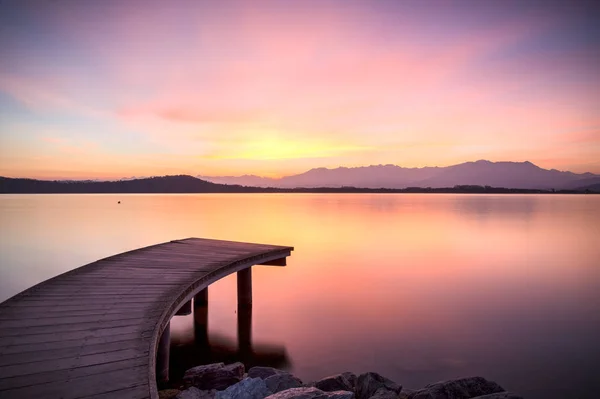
column 244, row 325
column 201, row 298
column 244, row 287
column 201, row 318
column 162, row 357
column 185, row 309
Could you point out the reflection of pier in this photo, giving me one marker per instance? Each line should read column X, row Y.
column 205, row 349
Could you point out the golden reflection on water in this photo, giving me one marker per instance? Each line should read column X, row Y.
column 417, row 287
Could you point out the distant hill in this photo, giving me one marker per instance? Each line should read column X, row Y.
column 165, row 184
column 521, row 175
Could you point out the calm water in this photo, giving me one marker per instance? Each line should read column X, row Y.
column 417, row 287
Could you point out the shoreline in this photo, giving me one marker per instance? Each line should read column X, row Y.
column 231, row 381
column 191, row 185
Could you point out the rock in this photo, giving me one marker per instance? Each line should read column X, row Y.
column 168, row 393
column 337, row 382
column 214, row 376
column 464, row 388
column 383, row 393
column 282, row 381
column 340, row 395
column 263, row 372
column 310, row 393
column 195, row 393
column 249, row 388
column 352, row 378
column 406, row 393
column 369, row 383
column 500, row 395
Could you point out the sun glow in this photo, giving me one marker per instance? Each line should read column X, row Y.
column 274, row 147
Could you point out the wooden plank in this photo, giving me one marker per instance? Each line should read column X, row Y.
column 68, row 363
column 24, row 309
column 69, row 327
column 57, row 314
column 71, row 343
column 50, row 303
column 73, row 351
column 82, row 335
column 136, row 392
column 67, row 319
column 109, row 382
column 63, row 376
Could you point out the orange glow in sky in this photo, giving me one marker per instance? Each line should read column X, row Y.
column 116, row 89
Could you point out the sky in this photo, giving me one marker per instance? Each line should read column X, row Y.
column 113, row 89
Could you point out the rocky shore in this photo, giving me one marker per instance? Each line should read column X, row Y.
column 220, row 381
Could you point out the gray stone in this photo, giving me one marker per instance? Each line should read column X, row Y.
column 369, row 383
column 337, row 382
column 249, row 388
column 383, row 393
column 263, row 372
column 406, row 393
column 310, row 393
column 500, row 395
column 352, row 378
column 340, row 395
column 195, row 393
column 214, row 376
column 168, row 393
column 282, row 381
column 464, row 388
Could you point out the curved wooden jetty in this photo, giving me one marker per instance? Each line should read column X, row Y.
column 95, row 331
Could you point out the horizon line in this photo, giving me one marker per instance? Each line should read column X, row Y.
column 202, row 177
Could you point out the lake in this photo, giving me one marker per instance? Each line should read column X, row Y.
column 418, row 287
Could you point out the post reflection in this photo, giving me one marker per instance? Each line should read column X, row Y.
column 205, row 348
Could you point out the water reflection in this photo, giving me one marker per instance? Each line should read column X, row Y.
column 417, row 287
column 204, row 348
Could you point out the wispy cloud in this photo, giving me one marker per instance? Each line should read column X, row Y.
column 40, row 95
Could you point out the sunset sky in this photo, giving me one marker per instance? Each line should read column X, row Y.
column 112, row 89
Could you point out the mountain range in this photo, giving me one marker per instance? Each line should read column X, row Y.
column 470, row 177
column 520, row 175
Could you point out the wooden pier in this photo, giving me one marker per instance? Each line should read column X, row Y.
column 102, row 330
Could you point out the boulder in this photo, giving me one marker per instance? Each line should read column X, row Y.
column 369, row 383
column 310, row 393
column 282, row 381
column 337, row 382
column 406, row 393
column 500, row 395
column 464, row 388
column 351, row 377
column 214, row 376
column 249, row 388
column 195, row 393
column 263, row 372
column 383, row 393
column 340, row 395
column 168, row 393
